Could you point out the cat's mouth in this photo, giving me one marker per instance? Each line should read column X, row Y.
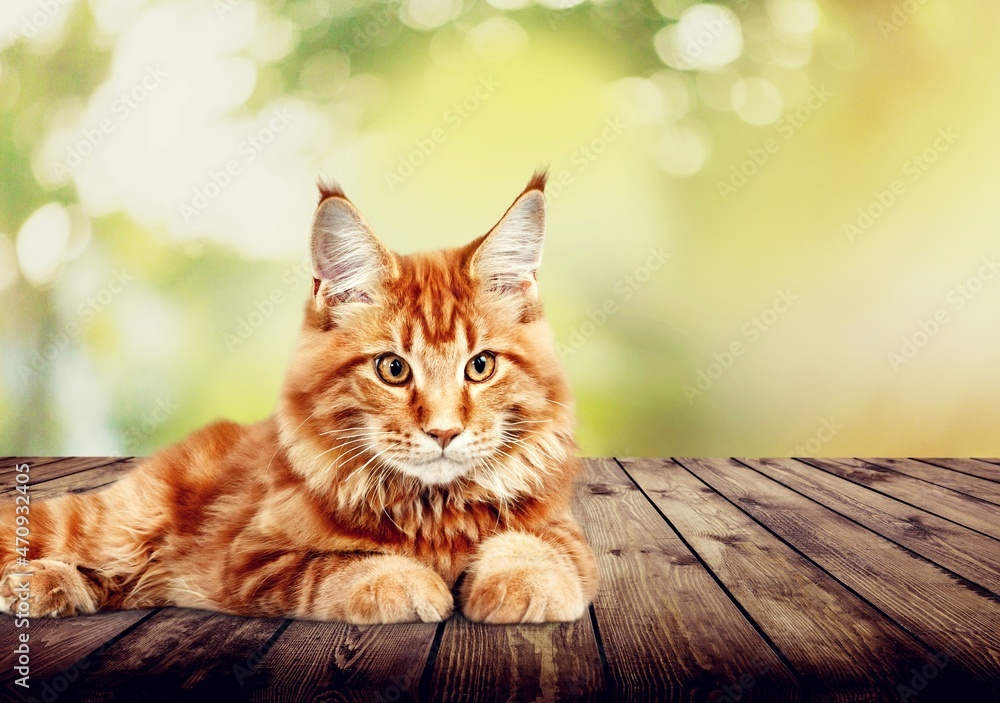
column 436, row 470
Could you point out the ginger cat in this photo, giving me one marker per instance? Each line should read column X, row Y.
column 422, row 444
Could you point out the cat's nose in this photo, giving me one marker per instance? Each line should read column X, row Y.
column 444, row 437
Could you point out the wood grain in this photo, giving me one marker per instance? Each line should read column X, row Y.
column 946, row 478
column 967, row 553
column 40, row 473
column 669, row 631
column 550, row 662
column 59, row 648
column 945, row 612
column 8, row 463
column 476, row 662
column 957, row 507
column 816, row 582
column 80, row 481
column 836, row 641
column 316, row 661
column 982, row 468
column 175, row 652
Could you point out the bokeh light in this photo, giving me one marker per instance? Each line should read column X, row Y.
column 42, row 242
column 158, row 161
column 706, row 37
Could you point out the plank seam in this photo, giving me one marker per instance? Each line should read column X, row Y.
column 971, row 585
column 959, row 471
column 796, row 675
column 928, row 481
column 99, row 649
column 609, row 682
column 11, row 489
column 927, row 647
column 265, row 648
column 979, row 589
column 807, row 462
column 424, row 688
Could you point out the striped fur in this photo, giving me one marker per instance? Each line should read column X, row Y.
column 345, row 504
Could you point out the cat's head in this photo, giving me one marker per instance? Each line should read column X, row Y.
column 428, row 370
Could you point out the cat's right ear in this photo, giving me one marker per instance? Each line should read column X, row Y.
column 349, row 262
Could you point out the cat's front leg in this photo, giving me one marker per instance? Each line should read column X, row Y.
column 361, row 589
column 389, row 588
column 525, row 577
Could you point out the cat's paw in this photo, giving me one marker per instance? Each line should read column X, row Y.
column 518, row 578
column 45, row 588
column 398, row 589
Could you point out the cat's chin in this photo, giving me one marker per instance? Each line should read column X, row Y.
column 435, row 472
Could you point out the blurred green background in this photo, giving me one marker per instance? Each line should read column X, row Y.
column 773, row 226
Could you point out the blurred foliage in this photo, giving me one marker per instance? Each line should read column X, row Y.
column 768, row 220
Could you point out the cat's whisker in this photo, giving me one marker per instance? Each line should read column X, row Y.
column 347, row 443
column 503, row 501
column 348, row 438
column 348, row 429
column 331, row 449
column 354, row 452
column 357, row 451
column 280, row 445
column 533, row 448
column 383, row 469
column 376, row 456
column 361, row 432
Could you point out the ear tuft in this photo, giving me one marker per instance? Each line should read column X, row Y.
column 508, row 258
column 538, row 180
column 348, row 260
column 329, row 188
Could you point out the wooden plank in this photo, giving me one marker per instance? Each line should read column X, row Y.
column 967, row 553
column 55, row 469
column 550, row 662
column 993, row 460
column 943, row 611
column 44, row 465
column 314, row 661
column 80, row 481
column 939, row 476
column 972, row 512
column 837, row 642
column 669, row 631
column 981, row 468
column 477, row 662
column 8, row 463
column 175, row 652
column 59, row 649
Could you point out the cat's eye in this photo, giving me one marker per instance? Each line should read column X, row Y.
column 392, row 369
column 481, row 366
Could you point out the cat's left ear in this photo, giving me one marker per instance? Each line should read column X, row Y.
column 507, row 259
column 350, row 264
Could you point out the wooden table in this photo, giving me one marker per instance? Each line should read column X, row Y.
column 723, row 580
